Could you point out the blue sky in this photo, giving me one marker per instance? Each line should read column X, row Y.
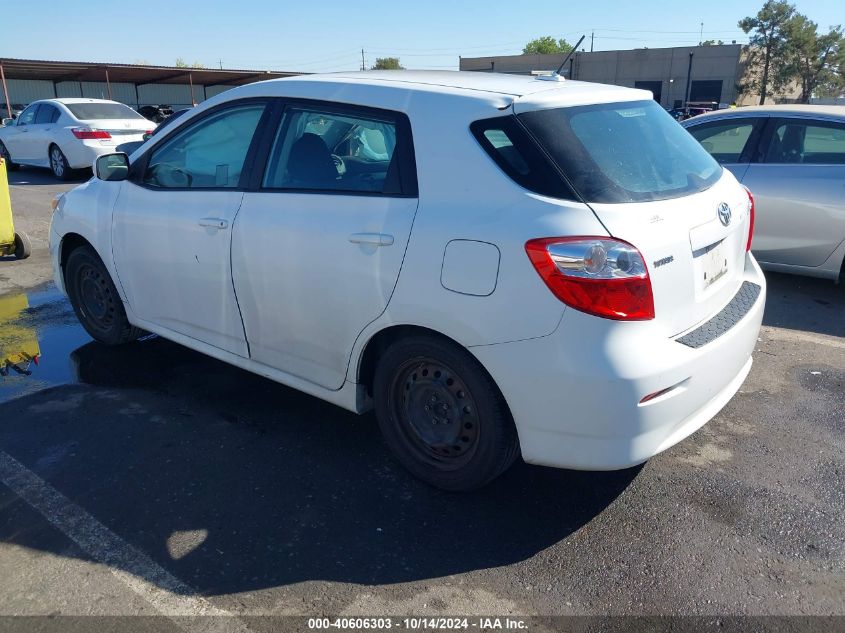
column 328, row 35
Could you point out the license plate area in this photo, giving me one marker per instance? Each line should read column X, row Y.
column 711, row 265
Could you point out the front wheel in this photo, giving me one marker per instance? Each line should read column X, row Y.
column 7, row 158
column 59, row 164
column 442, row 415
column 95, row 300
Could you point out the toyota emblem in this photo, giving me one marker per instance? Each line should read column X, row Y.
column 724, row 212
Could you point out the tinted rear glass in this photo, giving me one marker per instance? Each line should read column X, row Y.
column 512, row 149
column 93, row 111
column 623, row 152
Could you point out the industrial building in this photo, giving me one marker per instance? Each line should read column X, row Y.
column 673, row 75
column 27, row 80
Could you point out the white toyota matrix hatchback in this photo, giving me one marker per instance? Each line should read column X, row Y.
column 498, row 265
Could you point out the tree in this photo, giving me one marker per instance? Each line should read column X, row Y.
column 711, row 43
column 387, row 63
column 816, row 61
column 768, row 47
column 181, row 63
column 546, row 45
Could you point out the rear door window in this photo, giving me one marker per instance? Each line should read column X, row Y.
column 726, row 141
column 623, row 152
column 46, row 114
column 805, row 142
column 339, row 151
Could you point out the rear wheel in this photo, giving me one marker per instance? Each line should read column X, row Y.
column 442, row 415
column 59, row 164
column 7, row 158
column 23, row 247
column 95, row 300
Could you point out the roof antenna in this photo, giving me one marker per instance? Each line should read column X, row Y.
column 574, row 48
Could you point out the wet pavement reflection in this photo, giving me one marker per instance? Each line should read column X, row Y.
column 38, row 335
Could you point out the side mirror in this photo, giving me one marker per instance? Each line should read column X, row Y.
column 112, row 167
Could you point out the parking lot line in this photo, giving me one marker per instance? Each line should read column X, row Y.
column 167, row 594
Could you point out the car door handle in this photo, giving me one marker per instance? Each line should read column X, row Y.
column 376, row 239
column 214, row 223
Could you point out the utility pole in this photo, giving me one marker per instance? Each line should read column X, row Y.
column 701, row 34
column 363, row 66
column 592, row 37
column 221, row 64
column 689, row 82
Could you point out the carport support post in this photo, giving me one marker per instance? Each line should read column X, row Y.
column 5, row 90
column 191, row 82
column 108, row 83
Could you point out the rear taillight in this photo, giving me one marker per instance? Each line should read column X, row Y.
column 598, row 275
column 87, row 133
column 751, row 219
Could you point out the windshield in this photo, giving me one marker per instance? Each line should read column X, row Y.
column 92, row 111
column 623, row 152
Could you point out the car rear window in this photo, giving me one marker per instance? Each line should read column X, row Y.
column 93, row 111
column 510, row 147
column 623, row 152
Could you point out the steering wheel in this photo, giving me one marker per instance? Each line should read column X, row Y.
column 169, row 175
column 339, row 164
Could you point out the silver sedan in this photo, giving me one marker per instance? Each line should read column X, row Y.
column 792, row 158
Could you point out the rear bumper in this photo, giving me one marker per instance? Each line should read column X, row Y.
column 576, row 394
column 82, row 154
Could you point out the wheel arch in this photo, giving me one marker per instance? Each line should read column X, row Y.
column 378, row 343
column 70, row 242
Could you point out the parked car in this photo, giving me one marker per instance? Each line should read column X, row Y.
column 131, row 146
column 68, row 134
column 682, row 114
column 793, row 158
column 405, row 241
column 155, row 113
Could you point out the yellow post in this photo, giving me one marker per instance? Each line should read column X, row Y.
column 7, row 227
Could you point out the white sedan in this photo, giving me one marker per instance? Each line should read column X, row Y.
column 68, row 134
column 498, row 265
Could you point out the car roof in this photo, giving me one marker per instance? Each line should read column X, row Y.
column 798, row 109
column 496, row 89
column 438, row 81
column 67, row 100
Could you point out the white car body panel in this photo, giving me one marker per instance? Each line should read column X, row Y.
column 284, row 292
column 175, row 264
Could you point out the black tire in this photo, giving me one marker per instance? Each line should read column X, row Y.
column 58, row 163
column 7, row 157
column 23, row 247
column 95, row 299
column 442, row 415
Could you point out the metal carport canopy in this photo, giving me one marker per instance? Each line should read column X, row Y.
column 58, row 71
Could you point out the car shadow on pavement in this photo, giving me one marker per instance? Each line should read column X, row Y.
column 805, row 303
column 38, row 176
column 235, row 483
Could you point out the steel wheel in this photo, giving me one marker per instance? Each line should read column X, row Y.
column 95, row 299
column 437, row 413
column 97, row 302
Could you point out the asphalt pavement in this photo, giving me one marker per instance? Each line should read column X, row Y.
column 153, row 480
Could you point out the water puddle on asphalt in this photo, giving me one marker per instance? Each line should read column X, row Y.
column 38, row 335
column 43, row 345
